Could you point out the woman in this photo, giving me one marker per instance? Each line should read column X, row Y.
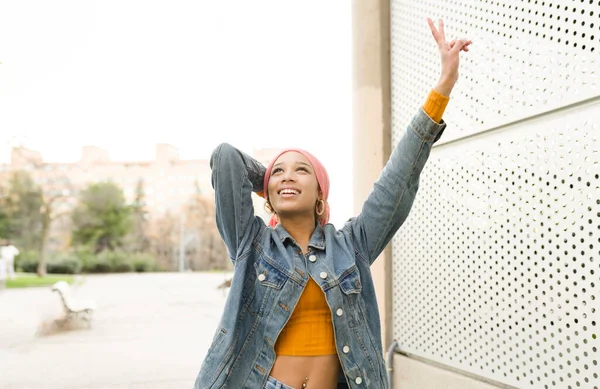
column 302, row 312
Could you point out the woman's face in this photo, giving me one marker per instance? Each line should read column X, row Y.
column 293, row 188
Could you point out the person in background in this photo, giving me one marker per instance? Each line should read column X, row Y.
column 8, row 252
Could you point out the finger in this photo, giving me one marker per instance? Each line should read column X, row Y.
column 436, row 35
column 434, row 30
column 442, row 33
column 460, row 44
column 453, row 42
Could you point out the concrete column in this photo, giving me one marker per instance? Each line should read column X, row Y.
column 372, row 124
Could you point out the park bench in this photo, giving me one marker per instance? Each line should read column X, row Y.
column 74, row 308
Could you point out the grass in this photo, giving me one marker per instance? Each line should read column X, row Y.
column 27, row 280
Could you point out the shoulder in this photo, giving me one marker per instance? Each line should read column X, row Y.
column 341, row 237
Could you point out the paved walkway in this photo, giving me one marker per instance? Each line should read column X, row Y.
column 150, row 331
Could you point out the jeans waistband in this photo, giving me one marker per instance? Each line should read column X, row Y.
column 272, row 383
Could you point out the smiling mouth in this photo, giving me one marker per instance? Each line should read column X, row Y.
column 289, row 192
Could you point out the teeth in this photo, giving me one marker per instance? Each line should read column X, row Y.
column 289, row 191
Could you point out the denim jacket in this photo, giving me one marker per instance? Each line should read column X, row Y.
column 270, row 271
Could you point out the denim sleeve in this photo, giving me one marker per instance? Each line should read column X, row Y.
column 392, row 196
column 235, row 175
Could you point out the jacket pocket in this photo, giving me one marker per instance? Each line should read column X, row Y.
column 268, row 274
column 350, row 281
column 268, row 281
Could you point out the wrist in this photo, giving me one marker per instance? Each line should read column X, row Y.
column 444, row 87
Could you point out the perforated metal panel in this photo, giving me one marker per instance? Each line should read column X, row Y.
column 528, row 57
column 497, row 269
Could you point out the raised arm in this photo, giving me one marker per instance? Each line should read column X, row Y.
column 235, row 175
column 391, row 199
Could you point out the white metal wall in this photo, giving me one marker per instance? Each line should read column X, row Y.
column 497, row 269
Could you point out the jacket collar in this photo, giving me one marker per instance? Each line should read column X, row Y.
column 317, row 240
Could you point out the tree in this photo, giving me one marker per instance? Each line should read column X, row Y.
column 195, row 231
column 27, row 212
column 57, row 190
column 4, row 223
column 210, row 251
column 4, row 218
column 21, row 211
column 101, row 219
column 163, row 234
column 137, row 239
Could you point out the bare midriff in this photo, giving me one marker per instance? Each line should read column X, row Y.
column 321, row 370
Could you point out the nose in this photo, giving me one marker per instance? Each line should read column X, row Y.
column 288, row 175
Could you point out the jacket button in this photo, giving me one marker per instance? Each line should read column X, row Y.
column 346, row 349
column 262, row 277
column 358, row 380
column 323, row 275
column 312, row 258
column 339, row 312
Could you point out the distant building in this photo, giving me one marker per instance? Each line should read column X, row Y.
column 168, row 182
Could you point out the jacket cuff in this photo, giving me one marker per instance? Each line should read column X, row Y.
column 427, row 129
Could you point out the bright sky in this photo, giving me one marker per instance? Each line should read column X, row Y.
column 125, row 75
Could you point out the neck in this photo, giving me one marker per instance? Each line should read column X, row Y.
column 300, row 228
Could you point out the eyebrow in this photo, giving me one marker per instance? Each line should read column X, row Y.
column 297, row 162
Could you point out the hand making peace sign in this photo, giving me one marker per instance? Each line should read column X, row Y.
column 449, row 52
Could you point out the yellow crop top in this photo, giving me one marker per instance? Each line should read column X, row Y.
column 310, row 329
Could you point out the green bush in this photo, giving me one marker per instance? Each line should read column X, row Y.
column 85, row 256
column 64, row 266
column 84, row 260
column 143, row 262
column 104, row 262
column 61, row 263
column 117, row 260
column 123, row 267
column 28, row 266
column 96, row 264
column 65, row 262
column 27, row 261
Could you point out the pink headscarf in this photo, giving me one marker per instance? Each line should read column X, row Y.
column 322, row 179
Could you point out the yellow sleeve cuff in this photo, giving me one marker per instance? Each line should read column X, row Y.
column 435, row 105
